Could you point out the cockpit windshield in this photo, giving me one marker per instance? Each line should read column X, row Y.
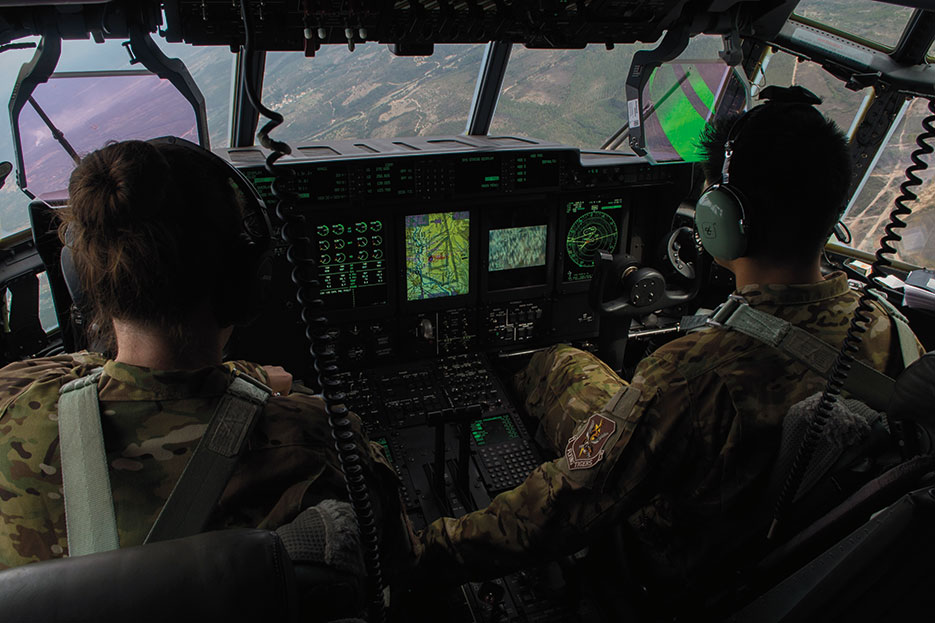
column 574, row 97
column 876, row 22
column 75, row 113
column 370, row 93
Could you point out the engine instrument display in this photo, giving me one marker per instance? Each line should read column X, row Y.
column 590, row 225
column 437, row 255
column 351, row 258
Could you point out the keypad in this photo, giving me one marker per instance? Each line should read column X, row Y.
column 506, row 465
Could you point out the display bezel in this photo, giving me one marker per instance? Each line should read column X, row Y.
column 563, row 285
column 323, row 215
column 534, row 206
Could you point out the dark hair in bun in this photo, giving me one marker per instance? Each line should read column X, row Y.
column 153, row 231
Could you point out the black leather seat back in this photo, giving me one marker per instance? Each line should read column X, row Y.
column 242, row 575
column 912, row 407
column 883, row 571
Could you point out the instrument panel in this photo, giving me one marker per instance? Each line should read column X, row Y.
column 434, row 247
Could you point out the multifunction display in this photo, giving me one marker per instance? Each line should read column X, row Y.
column 352, row 263
column 437, row 255
column 517, row 247
column 590, row 225
column 494, row 429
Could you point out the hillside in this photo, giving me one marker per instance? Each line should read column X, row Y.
column 574, row 96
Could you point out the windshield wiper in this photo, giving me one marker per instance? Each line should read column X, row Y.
column 57, row 134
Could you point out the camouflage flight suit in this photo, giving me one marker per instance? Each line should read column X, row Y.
column 682, row 455
column 152, row 421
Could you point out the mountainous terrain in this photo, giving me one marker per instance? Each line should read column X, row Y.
column 570, row 96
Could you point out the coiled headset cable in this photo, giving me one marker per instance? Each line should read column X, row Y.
column 859, row 323
column 299, row 253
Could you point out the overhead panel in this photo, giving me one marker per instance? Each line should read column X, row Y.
column 414, row 24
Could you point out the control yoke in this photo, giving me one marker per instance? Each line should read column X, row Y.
column 636, row 290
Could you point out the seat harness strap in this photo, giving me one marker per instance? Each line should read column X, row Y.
column 89, row 505
column 200, row 487
column 907, row 339
column 863, row 381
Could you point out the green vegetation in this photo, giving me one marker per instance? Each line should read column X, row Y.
column 569, row 96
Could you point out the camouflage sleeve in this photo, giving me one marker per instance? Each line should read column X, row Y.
column 299, row 449
column 564, row 503
column 561, row 387
column 29, row 480
column 16, row 377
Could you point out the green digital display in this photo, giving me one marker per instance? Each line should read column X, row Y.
column 590, row 225
column 385, row 444
column 389, row 178
column 535, row 170
column 437, row 255
column 494, row 429
column 477, row 173
column 319, row 184
column 352, row 263
column 517, row 247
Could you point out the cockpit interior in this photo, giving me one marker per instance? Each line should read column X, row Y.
column 444, row 248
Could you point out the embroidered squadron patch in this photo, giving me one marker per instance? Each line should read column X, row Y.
column 586, row 449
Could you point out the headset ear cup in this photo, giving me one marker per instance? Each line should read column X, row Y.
column 241, row 292
column 70, row 272
column 719, row 218
column 246, row 289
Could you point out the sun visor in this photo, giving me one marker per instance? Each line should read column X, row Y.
column 680, row 98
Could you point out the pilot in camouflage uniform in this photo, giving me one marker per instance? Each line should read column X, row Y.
column 693, row 439
column 158, row 239
column 682, row 457
column 152, row 422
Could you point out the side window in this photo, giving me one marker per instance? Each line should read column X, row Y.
column 870, row 209
column 838, row 104
column 210, row 67
column 212, row 70
column 872, row 21
column 13, row 214
column 576, row 97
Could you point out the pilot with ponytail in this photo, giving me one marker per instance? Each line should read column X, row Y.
column 160, row 238
column 680, row 457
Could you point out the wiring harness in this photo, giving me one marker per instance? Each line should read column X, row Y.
column 321, row 341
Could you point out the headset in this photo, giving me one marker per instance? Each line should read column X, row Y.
column 721, row 220
column 250, row 260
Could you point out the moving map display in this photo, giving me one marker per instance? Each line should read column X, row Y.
column 517, row 247
column 437, row 255
column 590, row 225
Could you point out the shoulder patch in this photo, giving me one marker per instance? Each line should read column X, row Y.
column 586, row 449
